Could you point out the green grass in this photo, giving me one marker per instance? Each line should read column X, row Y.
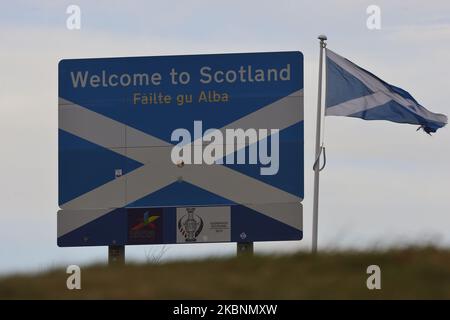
column 406, row 274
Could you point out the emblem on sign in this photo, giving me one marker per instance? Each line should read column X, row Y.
column 144, row 226
column 190, row 225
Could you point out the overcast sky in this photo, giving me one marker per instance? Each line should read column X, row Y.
column 384, row 183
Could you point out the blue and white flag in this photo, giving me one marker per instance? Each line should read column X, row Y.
column 355, row 92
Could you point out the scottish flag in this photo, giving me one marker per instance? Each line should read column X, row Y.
column 355, row 92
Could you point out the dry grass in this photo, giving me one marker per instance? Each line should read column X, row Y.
column 406, row 274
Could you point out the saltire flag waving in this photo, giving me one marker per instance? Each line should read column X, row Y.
column 355, row 92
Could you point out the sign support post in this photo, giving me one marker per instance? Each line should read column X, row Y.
column 244, row 248
column 116, row 255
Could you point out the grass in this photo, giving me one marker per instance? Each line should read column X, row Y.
column 412, row 273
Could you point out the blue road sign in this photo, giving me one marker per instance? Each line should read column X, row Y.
column 176, row 149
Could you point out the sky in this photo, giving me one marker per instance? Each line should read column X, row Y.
column 384, row 183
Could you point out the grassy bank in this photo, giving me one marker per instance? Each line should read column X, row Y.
column 405, row 274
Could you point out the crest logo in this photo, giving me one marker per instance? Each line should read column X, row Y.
column 190, row 225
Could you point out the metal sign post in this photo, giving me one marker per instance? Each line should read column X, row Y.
column 116, row 255
column 244, row 248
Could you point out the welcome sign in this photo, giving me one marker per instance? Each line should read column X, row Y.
column 148, row 144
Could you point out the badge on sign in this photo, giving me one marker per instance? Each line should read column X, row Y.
column 203, row 224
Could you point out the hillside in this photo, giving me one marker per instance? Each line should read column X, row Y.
column 408, row 274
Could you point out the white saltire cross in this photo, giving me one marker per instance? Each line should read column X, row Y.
column 158, row 170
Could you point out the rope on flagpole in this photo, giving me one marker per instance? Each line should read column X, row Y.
column 322, row 149
column 316, row 162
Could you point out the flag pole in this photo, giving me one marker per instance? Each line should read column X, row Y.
column 316, row 166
